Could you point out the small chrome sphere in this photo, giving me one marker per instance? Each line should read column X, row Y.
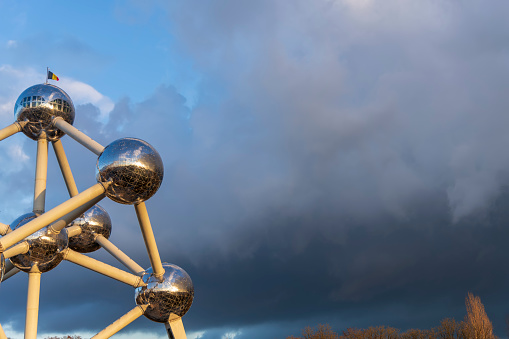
column 38, row 105
column 173, row 294
column 134, row 167
column 93, row 222
column 45, row 247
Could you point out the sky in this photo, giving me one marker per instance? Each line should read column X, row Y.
column 326, row 161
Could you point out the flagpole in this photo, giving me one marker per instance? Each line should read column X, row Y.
column 47, row 70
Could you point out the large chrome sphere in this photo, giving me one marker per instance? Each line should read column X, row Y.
column 93, row 222
column 45, row 247
column 134, row 167
column 38, row 105
column 173, row 294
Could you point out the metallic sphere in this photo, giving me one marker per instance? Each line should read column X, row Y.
column 134, row 167
column 173, row 294
column 93, row 222
column 2, row 267
column 38, row 105
column 45, row 247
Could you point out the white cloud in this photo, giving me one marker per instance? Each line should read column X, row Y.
column 82, row 93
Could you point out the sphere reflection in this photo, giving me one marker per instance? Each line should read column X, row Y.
column 93, row 222
column 38, row 105
column 2, row 266
column 173, row 294
column 45, row 247
column 134, row 167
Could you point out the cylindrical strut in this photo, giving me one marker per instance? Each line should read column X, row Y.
column 41, row 173
column 4, row 229
column 105, row 269
column 2, row 333
column 20, row 248
column 119, row 255
column 11, row 129
column 65, row 168
column 121, row 322
column 175, row 328
column 150, row 240
column 50, row 216
column 65, row 220
column 77, row 135
column 32, row 315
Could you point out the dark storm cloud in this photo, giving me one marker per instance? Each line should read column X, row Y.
column 344, row 163
column 354, row 147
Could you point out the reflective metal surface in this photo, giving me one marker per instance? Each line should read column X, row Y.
column 94, row 221
column 2, row 267
column 45, row 247
column 134, row 167
column 174, row 294
column 38, row 105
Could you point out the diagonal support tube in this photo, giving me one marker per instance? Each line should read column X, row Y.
column 60, row 224
column 150, row 240
column 2, row 333
column 119, row 255
column 11, row 273
column 12, row 129
column 50, row 216
column 121, row 322
column 10, row 270
column 8, row 266
column 73, row 230
column 77, row 135
column 4, row 229
column 32, row 315
column 105, row 269
column 20, row 248
column 65, row 168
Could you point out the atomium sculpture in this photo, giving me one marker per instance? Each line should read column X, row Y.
column 129, row 171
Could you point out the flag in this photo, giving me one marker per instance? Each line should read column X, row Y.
column 52, row 76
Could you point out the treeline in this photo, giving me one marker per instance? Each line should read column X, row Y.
column 476, row 325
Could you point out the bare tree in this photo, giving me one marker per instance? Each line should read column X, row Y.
column 478, row 325
column 321, row 332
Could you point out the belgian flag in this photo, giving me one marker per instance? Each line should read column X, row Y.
column 52, row 76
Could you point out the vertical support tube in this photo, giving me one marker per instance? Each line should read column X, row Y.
column 41, row 172
column 121, row 322
column 150, row 240
column 65, row 168
column 77, row 135
column 32, row 315
column 2, row 333
column 175, row 329
column 119, row 255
